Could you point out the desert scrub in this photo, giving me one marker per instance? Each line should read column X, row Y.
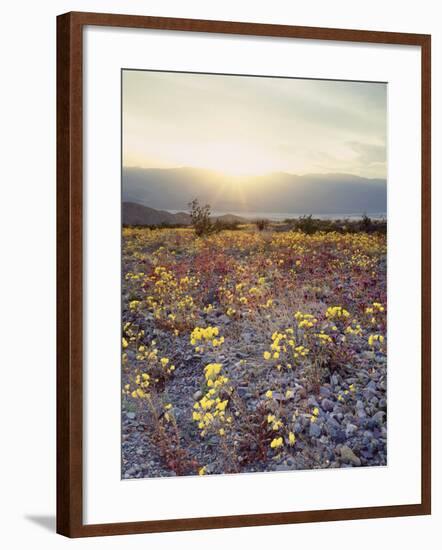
column 258, row 325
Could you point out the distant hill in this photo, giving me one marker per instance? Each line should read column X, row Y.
column 137, row 214
column 172, row 189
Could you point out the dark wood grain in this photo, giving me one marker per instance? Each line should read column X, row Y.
column 70, row 269
column 69, row 276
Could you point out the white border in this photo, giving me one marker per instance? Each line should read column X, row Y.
column 106, row 497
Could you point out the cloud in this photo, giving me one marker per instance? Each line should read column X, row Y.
column 253, row 123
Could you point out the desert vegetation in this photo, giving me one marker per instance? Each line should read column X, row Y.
column 255, row 348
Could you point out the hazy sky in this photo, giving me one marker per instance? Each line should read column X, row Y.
column 253, row 125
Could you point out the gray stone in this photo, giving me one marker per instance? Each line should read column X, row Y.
column 339, row 436
column 315, row 430
column 224, row 319
column 350, row 430
column 298, row 427
column 130, row 415
column 242, row 391
column 348, row 456
column 312, row 401
column 327, row 405
column 378, row 418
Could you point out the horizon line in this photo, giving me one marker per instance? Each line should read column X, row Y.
column 251, row 175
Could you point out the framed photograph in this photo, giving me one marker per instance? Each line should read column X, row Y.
column 243, row 282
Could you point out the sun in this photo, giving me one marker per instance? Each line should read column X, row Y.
column 235, row 160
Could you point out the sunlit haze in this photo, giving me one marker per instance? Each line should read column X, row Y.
column 253, row 125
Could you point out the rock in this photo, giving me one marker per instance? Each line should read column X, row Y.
column 378, row 418
column 350, row 430
column 301, row 393
column 130, row 415
column 367, row 454
column 243, row 391
column 197, row 395
column 339, row 436
column 311, row 402
column 279, row 396
column 298, row 427
column 334, row 430
column 211, row 467
column 360, row 409
column 224, row 319
column 327, row 405
column 315, row 430
column 332, row 422
column 374, row 402
column 348, row 456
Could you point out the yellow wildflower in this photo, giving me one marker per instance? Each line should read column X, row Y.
column 276, row 442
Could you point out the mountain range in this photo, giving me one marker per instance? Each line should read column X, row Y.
column 174, row 188
column 138, row 214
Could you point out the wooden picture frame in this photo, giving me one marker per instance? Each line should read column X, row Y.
column 70, row 272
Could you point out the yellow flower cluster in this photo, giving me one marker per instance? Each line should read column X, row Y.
column 170, row 299
column 208, row 335
column 376, row 340
column 376, row 313
column 305, row 320
column 323, row 338
column 283, row 349
column 337, row 312
column 141, row 385
column 276, row 443
column 377, row 306
column 211, row 371
column 250, row 296
column 277, row 421
column 150, row 355
column 354, row 328
column 210, row 411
